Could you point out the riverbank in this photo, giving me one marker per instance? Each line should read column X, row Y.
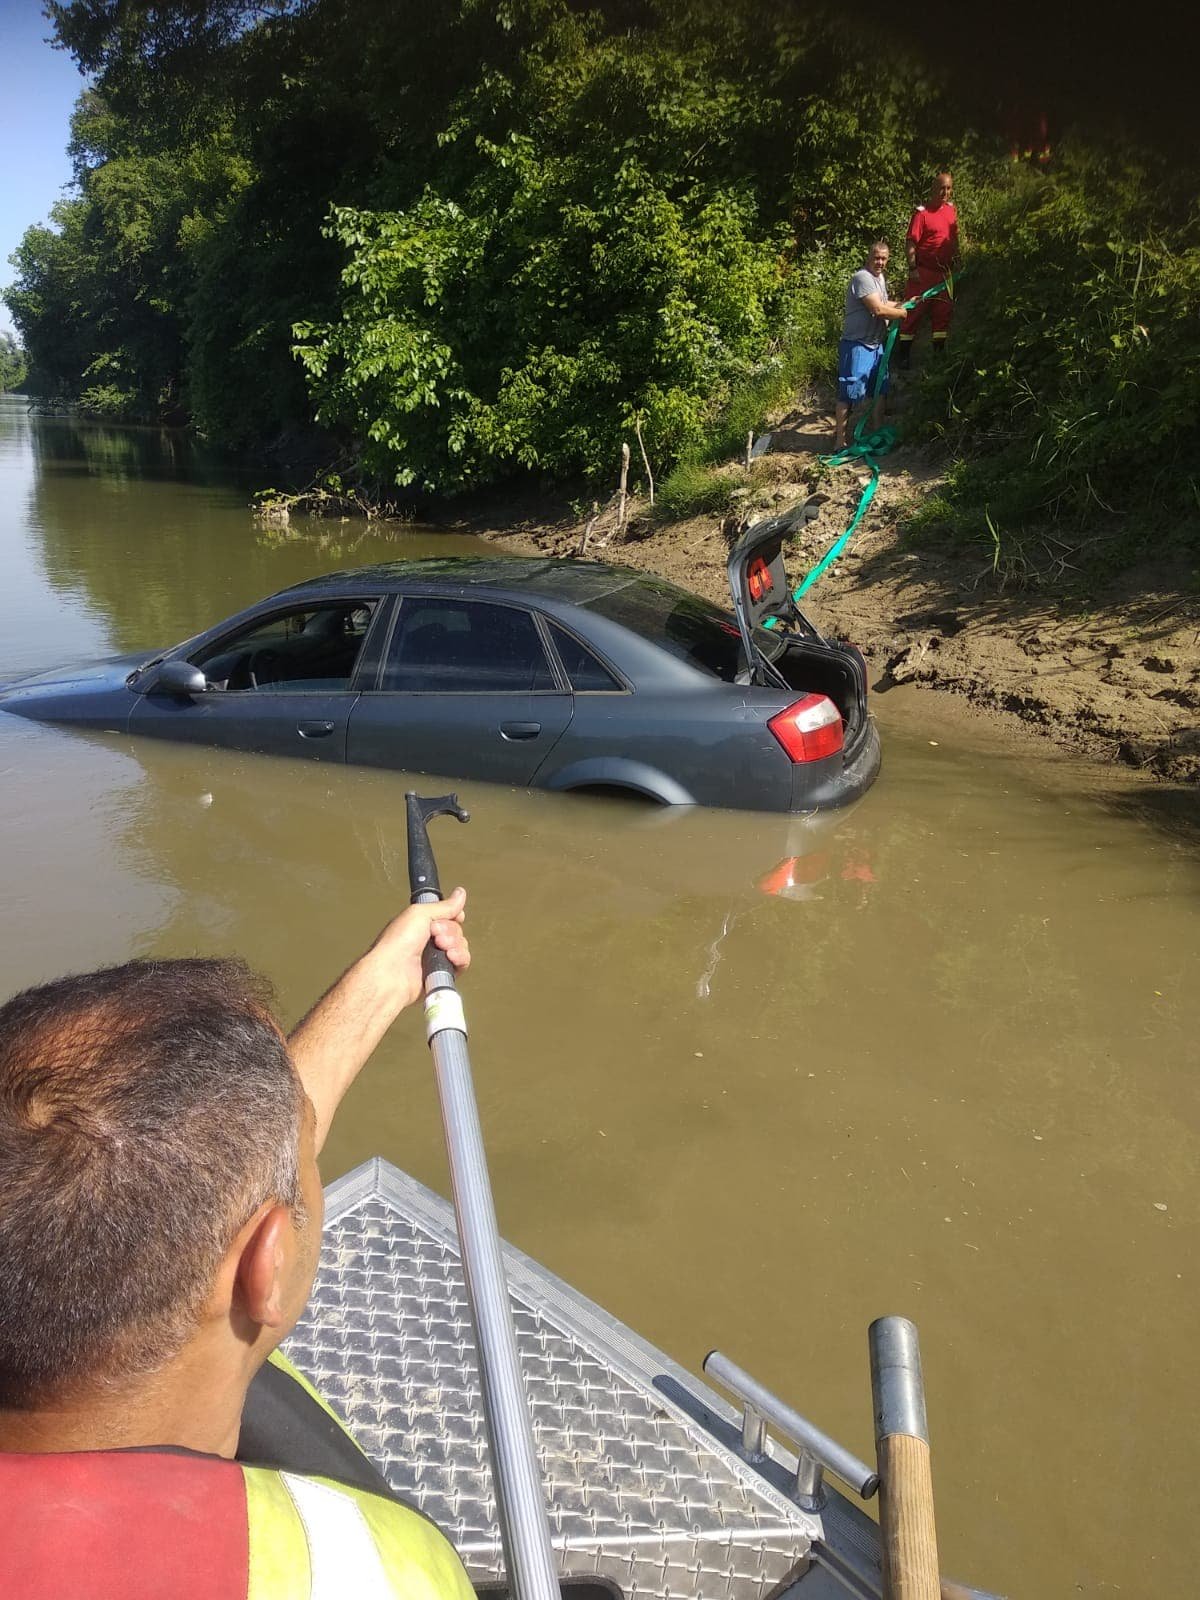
column 1109, row 669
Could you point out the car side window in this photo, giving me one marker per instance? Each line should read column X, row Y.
column 313, row 648
column 581, row 666
column 465, row 647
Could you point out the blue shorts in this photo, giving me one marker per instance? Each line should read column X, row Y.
column 856, row 370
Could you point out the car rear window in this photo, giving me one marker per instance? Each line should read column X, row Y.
column 581, row 666
column 682, row 624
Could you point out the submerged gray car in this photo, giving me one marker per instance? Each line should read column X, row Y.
column 552, row 674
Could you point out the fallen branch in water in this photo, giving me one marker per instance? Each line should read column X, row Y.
column 326, row 496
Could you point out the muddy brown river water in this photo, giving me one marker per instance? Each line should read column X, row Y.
column 747, row 1082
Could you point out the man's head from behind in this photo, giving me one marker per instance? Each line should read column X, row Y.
column 148, row 1114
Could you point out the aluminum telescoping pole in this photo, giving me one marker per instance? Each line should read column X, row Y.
column 528, row 1556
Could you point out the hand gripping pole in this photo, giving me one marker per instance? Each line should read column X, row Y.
column 524, row 1530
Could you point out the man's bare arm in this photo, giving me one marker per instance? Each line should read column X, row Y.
column 879, row 307
column 336, row 1039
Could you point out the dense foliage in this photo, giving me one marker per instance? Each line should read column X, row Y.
column 12, row 363
column 475, row 240
column 500, row 233
column 1074, row 385
column 607, row 233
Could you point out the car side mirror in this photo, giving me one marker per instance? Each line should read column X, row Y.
column 178, row 677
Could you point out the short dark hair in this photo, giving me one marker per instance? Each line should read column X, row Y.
column 146, row 1112
column 874, row 243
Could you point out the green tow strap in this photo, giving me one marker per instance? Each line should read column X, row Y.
column 867, row 447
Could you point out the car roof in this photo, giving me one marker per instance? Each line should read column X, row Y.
column 575, row 582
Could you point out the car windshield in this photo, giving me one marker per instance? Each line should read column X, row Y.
column 683, row 624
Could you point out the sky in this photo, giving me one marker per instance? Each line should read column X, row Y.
column 38, row 87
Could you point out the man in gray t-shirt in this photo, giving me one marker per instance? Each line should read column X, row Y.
column 868, row 311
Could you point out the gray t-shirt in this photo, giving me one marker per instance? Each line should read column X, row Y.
column 859, row 323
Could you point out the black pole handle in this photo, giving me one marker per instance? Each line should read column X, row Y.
column 422, row 868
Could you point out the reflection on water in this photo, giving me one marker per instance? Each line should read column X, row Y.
column 747, row 1081
column 120, row 539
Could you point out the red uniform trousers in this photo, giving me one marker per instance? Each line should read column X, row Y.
column 940, row 308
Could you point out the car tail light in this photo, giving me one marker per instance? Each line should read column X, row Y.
column 809, row 729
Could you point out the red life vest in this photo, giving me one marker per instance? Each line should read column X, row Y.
column 156, row 1525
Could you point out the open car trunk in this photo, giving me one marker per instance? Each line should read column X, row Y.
column 782, row 648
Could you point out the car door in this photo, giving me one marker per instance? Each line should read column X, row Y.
column 467, row 690
column 282, row 684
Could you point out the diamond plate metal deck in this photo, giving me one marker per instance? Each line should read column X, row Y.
column 642, row 1486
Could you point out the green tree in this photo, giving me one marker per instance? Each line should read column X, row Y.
column 49, row 300
column 1073, row 388
column 608, row 229
column 100, row 294
column 478, row 240
column 12, row 363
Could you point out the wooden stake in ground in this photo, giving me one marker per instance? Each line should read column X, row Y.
column 637, row 423
column 749, row 448
column 621, row 490
column 591, row 523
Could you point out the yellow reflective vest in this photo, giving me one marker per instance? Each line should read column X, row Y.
column 313, row 1539
column 317, row 1538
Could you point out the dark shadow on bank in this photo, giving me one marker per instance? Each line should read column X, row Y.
column 1174, row 809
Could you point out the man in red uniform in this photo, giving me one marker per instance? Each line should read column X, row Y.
column 932, row 247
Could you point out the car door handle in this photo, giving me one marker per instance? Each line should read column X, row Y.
column 520, row 730
column 315, row 730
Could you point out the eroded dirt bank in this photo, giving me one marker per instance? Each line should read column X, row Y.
column 1111, row 670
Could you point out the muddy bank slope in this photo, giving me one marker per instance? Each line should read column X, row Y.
column 1112, row 669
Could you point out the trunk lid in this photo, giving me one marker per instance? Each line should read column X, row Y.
column 758, row 580
column 782, row 647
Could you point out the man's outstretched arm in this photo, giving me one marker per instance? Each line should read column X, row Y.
column 893, row 310
column 336, row 1039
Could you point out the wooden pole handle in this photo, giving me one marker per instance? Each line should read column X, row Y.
column 908, row 1534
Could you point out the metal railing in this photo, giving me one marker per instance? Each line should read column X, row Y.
column 816, row 1452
